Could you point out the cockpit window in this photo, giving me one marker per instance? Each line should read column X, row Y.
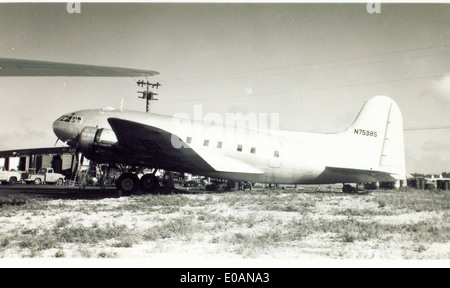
column 70, row 119
column 75, row 120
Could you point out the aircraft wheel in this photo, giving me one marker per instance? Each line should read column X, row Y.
column 149, row 183
column 128, row 183
column 347, row 188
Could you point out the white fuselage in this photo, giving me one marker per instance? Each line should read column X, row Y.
column 370, row 149
column 278, row 156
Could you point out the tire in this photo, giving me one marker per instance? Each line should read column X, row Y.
column 211, row 187
column 37, row 181
column 128, row 183
column 149, row 183
column 59, row 182
column 347, row 189
column 12, row 181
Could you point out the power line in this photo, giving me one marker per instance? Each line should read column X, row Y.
column 304, row 90
column 427, row 128
column 306, row 64
column 315, row 69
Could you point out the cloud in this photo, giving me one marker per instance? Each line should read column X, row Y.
column 27, row 138
column 435, row 146
column 439, row 90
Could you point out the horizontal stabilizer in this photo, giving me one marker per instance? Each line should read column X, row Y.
column 346, row 175
column 20, row 68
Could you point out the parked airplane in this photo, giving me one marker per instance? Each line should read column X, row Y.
column 370, row 150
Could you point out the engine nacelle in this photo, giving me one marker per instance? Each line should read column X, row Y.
column 92, row 140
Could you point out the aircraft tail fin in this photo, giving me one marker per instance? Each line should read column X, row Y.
column 376, row 140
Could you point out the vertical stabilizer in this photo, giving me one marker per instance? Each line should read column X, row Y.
column 375, row 138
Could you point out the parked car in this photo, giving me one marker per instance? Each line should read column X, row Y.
column 9, row 177
column 46, row 175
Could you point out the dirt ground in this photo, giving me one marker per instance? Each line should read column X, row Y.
column 264, row 228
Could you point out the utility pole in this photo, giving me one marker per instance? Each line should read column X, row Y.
column 147, row 94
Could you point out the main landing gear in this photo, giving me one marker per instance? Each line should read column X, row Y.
column 346, row 188
column 129, row 183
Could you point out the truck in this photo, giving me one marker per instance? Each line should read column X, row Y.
column 46, row 175
column 9, row 177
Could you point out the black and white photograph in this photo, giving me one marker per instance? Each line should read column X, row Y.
column 224, row 135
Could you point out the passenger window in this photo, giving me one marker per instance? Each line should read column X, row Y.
column 276, row 154
column 253, row 150
column 239, row 148
column 206, row 143
column 219, row 145
column 188, row 140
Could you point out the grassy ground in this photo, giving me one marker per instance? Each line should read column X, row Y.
column 268, row 224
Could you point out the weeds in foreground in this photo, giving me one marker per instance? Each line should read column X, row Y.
column 414, row 200
column 37, row 240
column 177, row 228
column 248, row 224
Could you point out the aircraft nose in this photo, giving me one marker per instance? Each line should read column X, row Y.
column 63, row 130
column 58, row 130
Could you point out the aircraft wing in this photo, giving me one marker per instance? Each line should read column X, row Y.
column 18, row 67
column 155, row 145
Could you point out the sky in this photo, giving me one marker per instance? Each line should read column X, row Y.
column 313, row 64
